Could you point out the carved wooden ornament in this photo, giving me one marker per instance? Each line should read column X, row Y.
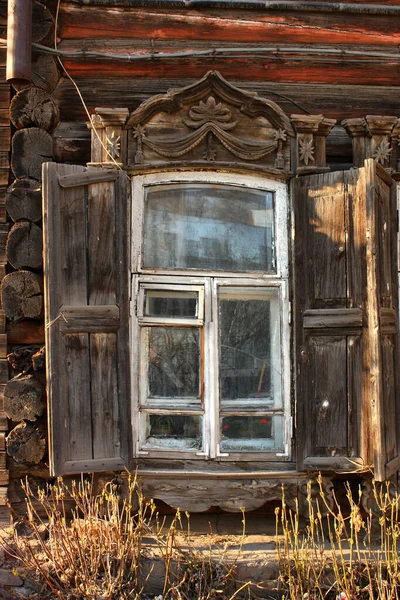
column 213, row 122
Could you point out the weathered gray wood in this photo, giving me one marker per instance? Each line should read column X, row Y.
column 72, row 227
column 87, row 177
column 326, row 318
column 30, row 149
column 89, row 319
column 24, row 246
column 105, row 404
column 103, row 273
column 42, row 23
column 23, row 398
column 22, row 296
column 20, row 359
column 39, row 364
column 388, row 320
column 45, row 74
column 25, row 444
column 88, row 316
column 327, row 398
column 33, row 107
column 339, row 463
column 24, row 200
column 382, row 294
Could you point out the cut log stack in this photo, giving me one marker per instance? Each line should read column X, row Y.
column 4, row 176
column 34, row 115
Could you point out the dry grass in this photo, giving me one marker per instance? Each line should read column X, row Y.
column 342, row 557
column 100, row 553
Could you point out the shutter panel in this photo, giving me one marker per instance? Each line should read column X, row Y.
column 345, row 320
column 381, row 370
column 86, row 241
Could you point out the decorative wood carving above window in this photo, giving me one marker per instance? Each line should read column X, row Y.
column 210, row 122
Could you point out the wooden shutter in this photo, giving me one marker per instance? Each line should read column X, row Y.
column 86, row 241
column 345, row 320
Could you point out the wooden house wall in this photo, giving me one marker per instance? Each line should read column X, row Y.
column 337, row 85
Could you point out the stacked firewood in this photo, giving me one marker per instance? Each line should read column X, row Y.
column 34, row 115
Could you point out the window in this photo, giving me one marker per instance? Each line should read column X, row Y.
column 210, row 328
column 209, row 347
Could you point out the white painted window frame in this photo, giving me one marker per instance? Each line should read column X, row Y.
column 211, row 280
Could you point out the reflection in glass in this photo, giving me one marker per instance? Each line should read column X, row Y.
column 251, row 434
column 173, row 432
column 249, row 347
column 164, row 303
column 209, row 227
column 173, row 356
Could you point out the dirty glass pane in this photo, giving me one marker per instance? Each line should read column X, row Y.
column 173, row 361
column 251, row 434
column 172, row 432
column 208, row 226
column 164, row 303
column 249, row 337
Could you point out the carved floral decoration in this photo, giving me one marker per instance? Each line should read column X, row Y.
column 306, row 149
column 114, row 145
column 211, row 120
column 382, row 152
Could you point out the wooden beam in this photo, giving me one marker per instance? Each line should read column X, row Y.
column 233, row 26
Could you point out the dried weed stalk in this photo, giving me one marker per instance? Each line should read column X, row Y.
column 100, row 552
column 340, row 557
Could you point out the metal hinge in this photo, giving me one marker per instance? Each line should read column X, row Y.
column 289, row 313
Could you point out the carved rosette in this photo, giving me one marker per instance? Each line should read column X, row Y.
column 312, row 131
column 210, row 122
column 375, row 137
column 108, row 137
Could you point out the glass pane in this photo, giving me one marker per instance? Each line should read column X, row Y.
column 251, row 434
column 172, row 355
column 249, row 347
column 211, row 227
column 172, row 432
column 164, row 303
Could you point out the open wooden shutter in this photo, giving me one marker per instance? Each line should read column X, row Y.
column 86, row 241
column 345, row 320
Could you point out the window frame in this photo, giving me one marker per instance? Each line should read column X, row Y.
column 177, row 278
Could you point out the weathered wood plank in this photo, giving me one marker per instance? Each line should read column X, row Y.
column 104, row 386
column 27, row 332
column 77, row 433
column 83, row 466
column 327, row 398
column 89, row 319
column 388, row 320
column 269, row 69
column 326, row 318
column 88, row 177
column 333, row 101
column 234, row 26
